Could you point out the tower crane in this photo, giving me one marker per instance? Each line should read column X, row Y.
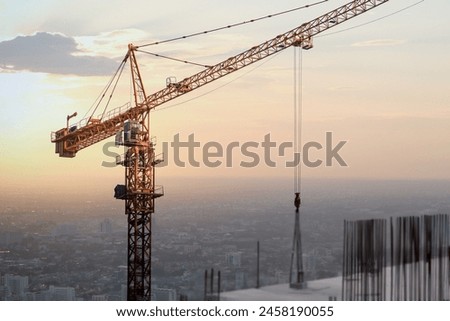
column 131, row 125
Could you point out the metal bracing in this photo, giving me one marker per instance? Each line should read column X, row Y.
column 138, row 86
column 140, row 189
column 139, row 206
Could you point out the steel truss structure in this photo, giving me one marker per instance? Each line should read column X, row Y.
column 139, row 190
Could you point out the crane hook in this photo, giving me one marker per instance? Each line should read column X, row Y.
column 297, row 201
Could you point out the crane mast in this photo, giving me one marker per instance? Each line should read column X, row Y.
column 131, row 125
column 138, row 192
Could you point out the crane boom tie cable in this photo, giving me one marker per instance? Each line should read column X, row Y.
column 174, row 59
column 323, row 35
column 102, row 94
column 118, row 71
column 99, row 99
column 113, row 90
column 234, row 24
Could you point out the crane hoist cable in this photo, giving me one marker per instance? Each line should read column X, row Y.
column 298, row 115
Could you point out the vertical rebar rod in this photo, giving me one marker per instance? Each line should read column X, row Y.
column 257, row 264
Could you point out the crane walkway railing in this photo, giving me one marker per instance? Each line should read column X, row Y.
column 100, row 118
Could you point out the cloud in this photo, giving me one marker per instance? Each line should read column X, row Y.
column 379, row 43
column 112, row 43
column 52, row 53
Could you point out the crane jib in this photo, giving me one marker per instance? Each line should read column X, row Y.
column 70, row 140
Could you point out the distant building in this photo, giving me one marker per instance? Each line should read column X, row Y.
column 61, row 293
column 123, row 292
column 106, row 226
column 99, row 297
column 121, row 273
column 240, row 280
column 161, row 294
column 64, row 230
column 16, row 285
column 310, row 264
column 9, row 238
column 192, row 248
column 233, row 259
column 4, row 293
column 183, row 236
column 281, row 276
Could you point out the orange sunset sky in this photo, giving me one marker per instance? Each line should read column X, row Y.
column 382, row 86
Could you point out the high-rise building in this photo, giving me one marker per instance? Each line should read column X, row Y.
column 234, row 259
column 61, row 293
column 161, row 294
column 240, row 280
column 106, row 226
column 17, row 285
column 4, row 293
column 99, row 297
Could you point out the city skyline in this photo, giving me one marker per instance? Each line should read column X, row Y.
column 81, row 245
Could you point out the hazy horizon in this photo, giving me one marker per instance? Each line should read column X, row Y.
column 195, row 225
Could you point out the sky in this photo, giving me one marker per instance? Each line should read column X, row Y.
column 378, row 82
